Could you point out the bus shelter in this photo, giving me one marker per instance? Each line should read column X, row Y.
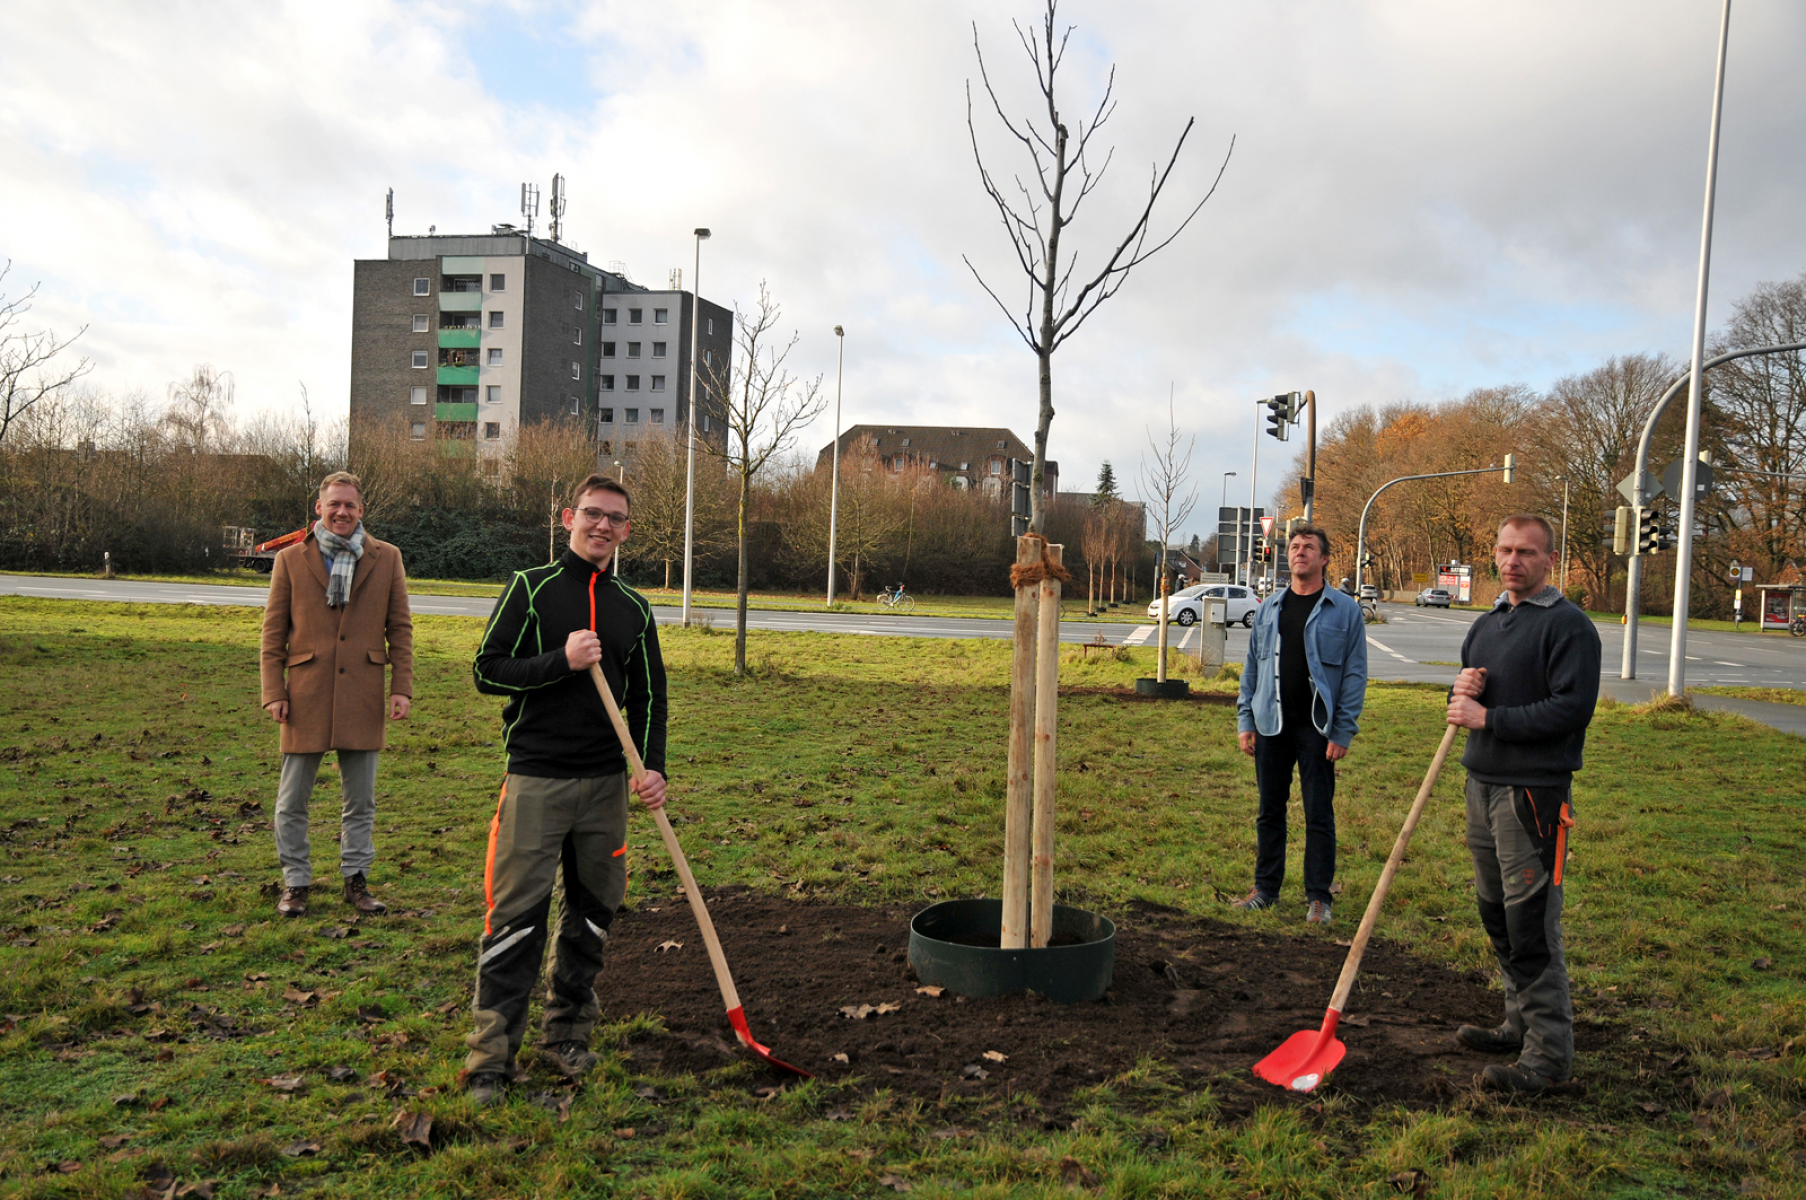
column 1781, row 602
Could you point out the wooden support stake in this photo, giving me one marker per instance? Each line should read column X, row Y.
column 1047, row 688
column 1018, row 810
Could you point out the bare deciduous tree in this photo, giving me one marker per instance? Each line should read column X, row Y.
column 766, row 407
column 657, row 476
column 1163, row 488
column 29, row 370
column 1037, row 213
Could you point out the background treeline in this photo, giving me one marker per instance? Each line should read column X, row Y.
column 1584, row 428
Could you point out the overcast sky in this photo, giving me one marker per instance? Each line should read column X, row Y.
column 1424, row 197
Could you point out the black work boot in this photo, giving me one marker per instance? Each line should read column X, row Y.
column 1515, row 1079
column 1489, row 1041
column 484, row 1089
column 357, row 894
column 570, row 1059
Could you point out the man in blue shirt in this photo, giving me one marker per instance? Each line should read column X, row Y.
column 1302, row 690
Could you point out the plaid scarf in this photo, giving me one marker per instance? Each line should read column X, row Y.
column 344, row 552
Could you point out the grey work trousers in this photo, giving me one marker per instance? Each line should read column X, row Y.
column 357, row 814
column 1517, row 837
column 546, row 832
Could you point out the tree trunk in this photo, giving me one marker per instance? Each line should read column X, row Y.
column 667, row 574
column 1049, row 284
column 740, row 599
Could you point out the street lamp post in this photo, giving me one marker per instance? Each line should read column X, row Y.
column 840, row 337
column 690, row 469
column 1564, row 533
column 1227, row 475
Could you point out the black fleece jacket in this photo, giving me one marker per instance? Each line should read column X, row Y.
column 554, row 725
column 1542, row 680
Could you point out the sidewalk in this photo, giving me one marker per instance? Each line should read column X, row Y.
column 1788, row 718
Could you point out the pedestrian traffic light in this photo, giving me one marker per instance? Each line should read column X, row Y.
column 1511, row 461
column 1279, row 416
column 1623, row 524
column 1021, row 502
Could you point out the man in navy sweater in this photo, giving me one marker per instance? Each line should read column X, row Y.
column 563, row 808
column 1529, row 679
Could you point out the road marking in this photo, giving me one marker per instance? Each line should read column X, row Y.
column 1140, row 636
column 1726, row 664
column 1373, row 641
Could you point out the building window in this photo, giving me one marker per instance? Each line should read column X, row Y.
column 608, row 349
column 705, row 422
column 635, row 315
column 629, row 447
column 608, row 418
column 633, row 349
column 996, row 466
column 577, row 299
column 711, row 326
column 658, row 383
column 898, row 463
column 423, row 287
column 633, row 416
column 493, row 393
column 633, row 384
column 576, row 370
column 608, row 316
column 464, row 395
column 661, row 316
column 906, row 441
column 576, row 335
column 608, row 447
column 417, row 431
column 420, row 357
column 495, row 356
column 608, row 383
column 658, row 349
column 495, row 320
column 416, row 395
column 658, row 416
column 498, row 283
column 492, row 430
column 576, row 406
column 420, row 325
column 708, row 358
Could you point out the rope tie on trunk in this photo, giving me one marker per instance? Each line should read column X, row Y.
column 1024, row 574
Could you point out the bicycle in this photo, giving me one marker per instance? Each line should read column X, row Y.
column 897, row 600
column 1797, row 626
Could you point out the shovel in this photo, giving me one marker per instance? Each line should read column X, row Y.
column 1304, row 1059
column 736, row 1015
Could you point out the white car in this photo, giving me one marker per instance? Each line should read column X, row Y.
column 1186, row 606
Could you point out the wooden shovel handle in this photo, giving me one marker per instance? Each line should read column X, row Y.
column 717, row 959
column 1358, row 947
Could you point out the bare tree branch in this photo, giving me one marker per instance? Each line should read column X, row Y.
column 28, row 368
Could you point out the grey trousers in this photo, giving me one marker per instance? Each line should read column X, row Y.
column 546, row 833
column 357, row 816
column 1517, row 837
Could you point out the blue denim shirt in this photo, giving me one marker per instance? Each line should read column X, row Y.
column 1335, row 646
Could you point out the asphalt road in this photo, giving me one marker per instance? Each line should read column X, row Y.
column 1419, row 645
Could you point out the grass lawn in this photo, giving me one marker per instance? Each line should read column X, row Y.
column 159, row 1019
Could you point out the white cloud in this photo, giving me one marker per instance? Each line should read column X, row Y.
column 1425, row 197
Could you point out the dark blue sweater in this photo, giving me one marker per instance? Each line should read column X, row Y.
column 1542, row 680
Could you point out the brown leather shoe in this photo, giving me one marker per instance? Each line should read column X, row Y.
column 293, row 902
column 357, row 894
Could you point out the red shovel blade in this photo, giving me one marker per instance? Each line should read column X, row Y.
column 1306, row 1058
column 737, row 1018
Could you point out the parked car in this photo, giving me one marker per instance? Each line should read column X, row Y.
column 1186, row 607
column 1435, row 598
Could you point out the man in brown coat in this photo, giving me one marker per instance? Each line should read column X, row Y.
column 337, row 615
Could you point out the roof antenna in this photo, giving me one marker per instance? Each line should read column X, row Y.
column 529, row 204
column 389, row 211
column 558, row 203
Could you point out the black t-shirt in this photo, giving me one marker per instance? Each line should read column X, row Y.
column 1294, row 667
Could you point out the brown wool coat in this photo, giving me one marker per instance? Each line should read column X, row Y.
column 334, row 658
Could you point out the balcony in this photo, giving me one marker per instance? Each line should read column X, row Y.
column 461, row 302
column 454, row 412
column 458, row 376
column 456, row 448
column 462, row 338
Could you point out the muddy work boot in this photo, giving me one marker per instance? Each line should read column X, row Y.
column 357, row 895
column 1516, row 1079
column 1254, row 901
column 570, row 1059
column 1318, row 913
column 1489, row 1041
column 484, row 1089
column 293, row 902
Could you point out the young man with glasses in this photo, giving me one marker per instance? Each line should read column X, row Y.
column 562, row 815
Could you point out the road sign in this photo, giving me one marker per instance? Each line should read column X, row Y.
column 1672, row 480
column 1652, row 487
column 1266, row 527
column 1422, row 577
column 1736, row 571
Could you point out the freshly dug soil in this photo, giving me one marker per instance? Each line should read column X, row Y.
column 1208, row 998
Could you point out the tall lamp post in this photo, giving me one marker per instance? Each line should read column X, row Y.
column 690, row 469
column 1227, row 475
column 840, row 337
column 1564, row 533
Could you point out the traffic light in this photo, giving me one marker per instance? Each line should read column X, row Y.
column 1511, row 462
column 1651, row 535
column 1021, row 506
column 1279, row 416
column 1623, row 522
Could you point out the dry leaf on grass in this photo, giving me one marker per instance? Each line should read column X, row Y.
column 1074, row 1173
column 840, row 1058
column 895, row 1183
column 116, row 1141
column 664, row 947
column 930, row 990
column 341, row 1074
column 296, row 995
column 285, row 1083
column 994, row 1056
column 301, row 1149
column 415, row 1128
column 862, row 1012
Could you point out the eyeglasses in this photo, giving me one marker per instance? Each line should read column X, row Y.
column 596, row 516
